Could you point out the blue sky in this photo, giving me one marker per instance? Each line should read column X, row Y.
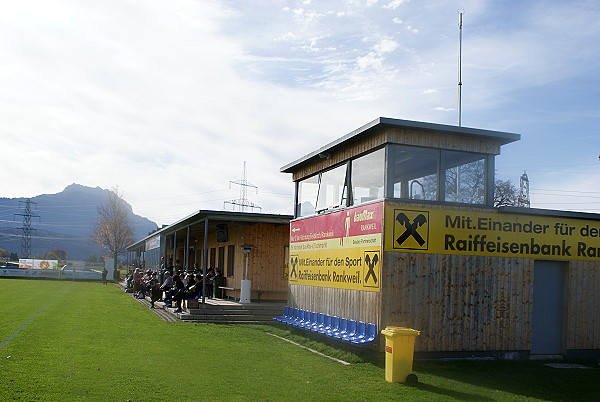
column 167, row 99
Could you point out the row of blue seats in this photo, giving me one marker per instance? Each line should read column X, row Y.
column 357, row 332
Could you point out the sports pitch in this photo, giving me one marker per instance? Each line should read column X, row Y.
column 72, row 341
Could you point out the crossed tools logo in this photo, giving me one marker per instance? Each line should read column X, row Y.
column 411, row 229
column 372, row 264
column 293, row 273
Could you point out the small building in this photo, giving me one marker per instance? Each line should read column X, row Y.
column 216, row 239
column 395, row 225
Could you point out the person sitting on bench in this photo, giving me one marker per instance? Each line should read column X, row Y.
column 190, row 293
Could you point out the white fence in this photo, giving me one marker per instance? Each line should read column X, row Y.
column 47, row 273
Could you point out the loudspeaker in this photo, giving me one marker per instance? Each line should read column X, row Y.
column 222, row 233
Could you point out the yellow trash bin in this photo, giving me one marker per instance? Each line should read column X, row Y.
column 399, row 352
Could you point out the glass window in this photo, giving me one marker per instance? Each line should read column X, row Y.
column 213, row 257
column 308, row 189
column 368, row 177
column 230, row 260
column 325, row 190
column 465, row 177
column 221, row 260
column 332, row 189
column 413, row 172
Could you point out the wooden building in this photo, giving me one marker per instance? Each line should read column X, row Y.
column 395, row 225
column 216, row 239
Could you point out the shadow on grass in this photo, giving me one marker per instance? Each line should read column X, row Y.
column 520, row 378
column 461, row 396
column 525, row 378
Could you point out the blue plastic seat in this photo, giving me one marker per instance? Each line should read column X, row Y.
column 326, row 324
column 341, row 329
column 370, row 336
column 303, row 318
column 356, row 332
column 350, row 332
column 284, row 316
column 361, row 332
column 309, row 321
column 335, row 324
column 299, row 320
column 319, row 322
column 290, row 316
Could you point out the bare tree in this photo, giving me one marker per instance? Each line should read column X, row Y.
column 114, row 229
column 505, row 194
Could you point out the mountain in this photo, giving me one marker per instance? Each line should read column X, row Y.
column 63, row 220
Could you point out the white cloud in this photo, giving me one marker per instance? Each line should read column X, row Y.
column 386, row 46
column 394, row 4
column 288, row 37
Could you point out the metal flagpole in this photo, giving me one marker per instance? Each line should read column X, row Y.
column 460, row 24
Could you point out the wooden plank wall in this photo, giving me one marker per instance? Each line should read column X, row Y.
column 460, row 303
column 450, row 141
column 351, row 304
column 582, row 310
column 267, row 260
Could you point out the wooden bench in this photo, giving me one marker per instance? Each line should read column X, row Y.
column 223, row 288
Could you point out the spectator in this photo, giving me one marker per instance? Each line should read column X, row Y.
column 155, row 291
column 184, row 279
column 190, row 293
column 161, row 270
column 191, row 281
column 166, row 287
column 137, row 281
column 208, row 283
column 177, row 287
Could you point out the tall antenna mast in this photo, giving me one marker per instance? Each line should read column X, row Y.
column 243, row 201
column 27, row 229
column 460, row 25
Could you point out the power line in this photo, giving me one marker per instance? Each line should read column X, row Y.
column 567, row 191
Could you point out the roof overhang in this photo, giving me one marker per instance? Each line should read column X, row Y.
column 223, row 216
column 380, row 123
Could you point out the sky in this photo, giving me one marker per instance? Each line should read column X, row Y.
column 166, row 100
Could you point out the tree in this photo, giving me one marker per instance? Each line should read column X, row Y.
column 505, row 194
column 60, row 253
column 51, row 256
column 114, row 229
column 4, row 254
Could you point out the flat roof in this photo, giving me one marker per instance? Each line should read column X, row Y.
column 223, row 216
column 384, row 122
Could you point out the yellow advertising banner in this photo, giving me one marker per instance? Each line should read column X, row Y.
column 356, row 268
column 338, row 250
column 440, row 231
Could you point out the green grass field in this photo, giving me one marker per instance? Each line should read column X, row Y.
column 69, row 341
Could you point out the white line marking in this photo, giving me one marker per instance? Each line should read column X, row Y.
column 10, row 338
column 312, row 350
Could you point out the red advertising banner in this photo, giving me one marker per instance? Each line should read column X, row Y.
column 363, row 220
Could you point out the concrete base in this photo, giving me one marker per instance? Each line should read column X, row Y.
column 245, row 291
